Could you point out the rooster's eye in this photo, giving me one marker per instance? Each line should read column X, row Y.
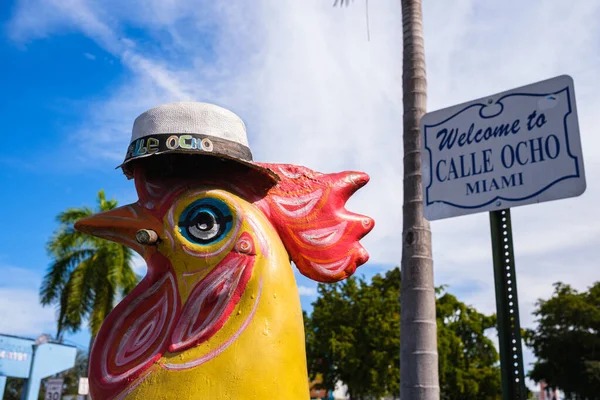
column 205, row 221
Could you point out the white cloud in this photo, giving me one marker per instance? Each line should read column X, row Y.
column 307, row 291
column 139, row 265
column 314, row 91
column 89, row 56
column 20, row 310
column 22, row 313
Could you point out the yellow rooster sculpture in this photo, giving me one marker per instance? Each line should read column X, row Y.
column 218, row 314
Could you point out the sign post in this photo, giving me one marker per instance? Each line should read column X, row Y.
column 507, row 306
column 506, row 150
column 54, row 389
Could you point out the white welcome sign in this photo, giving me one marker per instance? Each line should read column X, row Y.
column 510, row 149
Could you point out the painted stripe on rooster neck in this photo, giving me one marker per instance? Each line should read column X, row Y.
column 223, row 346
column 109, row 377
column 231, row 274
column 134, row 347
column 215, row 311
column 142, row 337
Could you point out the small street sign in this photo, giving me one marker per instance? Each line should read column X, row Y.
column 54, row 389
column 84, row 387
column 510, row 149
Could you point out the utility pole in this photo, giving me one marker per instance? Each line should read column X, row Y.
column 419, row 377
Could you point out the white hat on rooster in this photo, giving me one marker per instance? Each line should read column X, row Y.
column 190, row 128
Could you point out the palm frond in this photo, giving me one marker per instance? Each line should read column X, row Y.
column 58, row 272
column 109, row 263
column 105, row 205
column 81, row 297
column 61, row 312
column 103, row 305
column 101, row 199
column 65, row 239
column 72, row 215
column 129, row 280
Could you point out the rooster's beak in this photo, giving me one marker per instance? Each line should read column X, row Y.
column 121, row 225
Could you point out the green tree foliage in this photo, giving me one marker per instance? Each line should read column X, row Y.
column 566, row 342
column 468, row 361
column 87, row 273
column 14, row 388
column 353, row 336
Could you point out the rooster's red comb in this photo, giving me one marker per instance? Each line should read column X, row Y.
column 307, row 209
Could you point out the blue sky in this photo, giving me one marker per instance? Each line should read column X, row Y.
column 312, row 90
column 46, row 84
column 53, row 84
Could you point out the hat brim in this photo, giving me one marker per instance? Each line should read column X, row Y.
column 128, row 166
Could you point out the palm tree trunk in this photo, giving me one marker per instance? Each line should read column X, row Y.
column 418, row 353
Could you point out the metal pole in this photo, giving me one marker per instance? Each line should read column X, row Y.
column 507, row 307
column 29, row 388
